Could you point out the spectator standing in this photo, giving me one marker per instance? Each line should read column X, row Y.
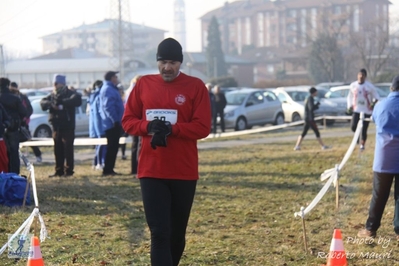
column 111, row 111
column 61, row 103
column 170, row 111
column 124, row 134
column 213, row 107
column 95, row 125
column 4, row 124
column 310, row 107
column 385, row 165
column 25, row 122
column 17, row 112
column 362, row 97
column 135, row 139
column 220, row 104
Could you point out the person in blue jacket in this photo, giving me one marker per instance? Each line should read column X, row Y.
column 95, row 126
column 385, row 165
column 111, row 111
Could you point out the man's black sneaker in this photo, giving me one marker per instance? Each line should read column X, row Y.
column 110, row 173
column 69, row 174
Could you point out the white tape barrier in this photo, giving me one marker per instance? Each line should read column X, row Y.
column 331, row 174
column 25, row 228
column 77, row 141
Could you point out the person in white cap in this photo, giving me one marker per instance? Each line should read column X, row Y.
column 61, row 103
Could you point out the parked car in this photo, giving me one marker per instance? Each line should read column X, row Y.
column 41, row 128
column 33, row 92
column 328, row 85
column 386, row 87
column 339, row 95
column 293, row 100
column 248, row 107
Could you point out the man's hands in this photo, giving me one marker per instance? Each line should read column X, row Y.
column 349, row 111
column 159, row 130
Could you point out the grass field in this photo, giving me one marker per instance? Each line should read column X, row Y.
column 243, row 213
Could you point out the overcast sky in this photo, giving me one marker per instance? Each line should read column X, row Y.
column 23, row 22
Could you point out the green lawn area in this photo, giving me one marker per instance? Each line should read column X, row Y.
column 243, row 213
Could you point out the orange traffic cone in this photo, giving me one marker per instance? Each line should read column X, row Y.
column 35, row 255
column 337, row 255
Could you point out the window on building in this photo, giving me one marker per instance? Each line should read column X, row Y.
column 268, row 30
column 239, row 36
column 270, row 68
column 337, row 10
column 292, row 13
column 356, row 19
column 314, row 22
column 303, row 27
column 261, row 30
column 348, row 11
column 247, row 31
column 377, row 11
column 384, row 16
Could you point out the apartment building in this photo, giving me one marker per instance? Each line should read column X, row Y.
column 263, row 27
column 265, row 23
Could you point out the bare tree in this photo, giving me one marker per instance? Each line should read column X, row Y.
column 326, row 61
column 372, row 46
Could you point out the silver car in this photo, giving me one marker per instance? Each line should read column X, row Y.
column 293, row 99
column 41, row 128
column 248, row 107
column 339, row 94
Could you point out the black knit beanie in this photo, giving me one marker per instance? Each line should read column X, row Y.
column 170, row 49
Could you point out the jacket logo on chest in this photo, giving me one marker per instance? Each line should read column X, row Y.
column 180, row 99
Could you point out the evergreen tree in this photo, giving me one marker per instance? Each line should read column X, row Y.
column 214, row 53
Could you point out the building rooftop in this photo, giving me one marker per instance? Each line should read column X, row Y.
column 106, row 24
column 70, row 53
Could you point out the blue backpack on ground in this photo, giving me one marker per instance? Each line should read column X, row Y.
column 12, row 190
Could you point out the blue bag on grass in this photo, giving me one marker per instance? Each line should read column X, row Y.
column 12, row 190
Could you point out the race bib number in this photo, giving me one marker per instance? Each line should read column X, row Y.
column 162, row 114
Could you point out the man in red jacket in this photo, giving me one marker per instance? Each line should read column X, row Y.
column 170, row 111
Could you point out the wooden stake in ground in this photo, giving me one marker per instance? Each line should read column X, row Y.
column 305, row 241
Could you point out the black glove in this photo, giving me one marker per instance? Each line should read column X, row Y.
column 159, row 130
column 157, row 125
column 349, row 111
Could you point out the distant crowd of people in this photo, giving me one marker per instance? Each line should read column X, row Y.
column 15, row 112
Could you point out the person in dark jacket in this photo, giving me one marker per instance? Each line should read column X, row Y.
column 310, row 107
column 220, row 104
column 17, row 112
column 61, row 104
column 26, row 103
column 4, row 124
column 111, row 111
column 213, row 106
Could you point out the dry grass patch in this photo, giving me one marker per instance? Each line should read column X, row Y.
column 243, row 212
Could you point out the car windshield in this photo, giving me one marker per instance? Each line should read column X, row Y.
column 382, row 93
column 234, row 98
column 37, row 109
column 298, row 96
